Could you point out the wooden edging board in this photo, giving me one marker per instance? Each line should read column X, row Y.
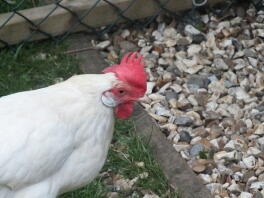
column 60, row 21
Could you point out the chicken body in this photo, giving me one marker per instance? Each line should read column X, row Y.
column 54, row 139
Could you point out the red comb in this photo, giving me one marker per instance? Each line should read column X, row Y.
column 132, row 60
column 131, row 70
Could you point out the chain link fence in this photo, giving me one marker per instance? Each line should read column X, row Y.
column 13, row 8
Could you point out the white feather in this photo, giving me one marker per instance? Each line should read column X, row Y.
column 54, row 139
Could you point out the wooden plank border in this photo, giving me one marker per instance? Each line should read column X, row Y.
column 60, row 20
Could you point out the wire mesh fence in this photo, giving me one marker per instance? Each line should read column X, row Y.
column 10, row 9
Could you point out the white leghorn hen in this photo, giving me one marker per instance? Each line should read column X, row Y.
column 56, row 139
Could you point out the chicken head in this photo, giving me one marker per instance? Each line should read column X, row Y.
column 131, row 84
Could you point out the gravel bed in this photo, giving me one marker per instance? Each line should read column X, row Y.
column 206, row 92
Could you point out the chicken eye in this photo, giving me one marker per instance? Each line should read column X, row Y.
column 121, row 91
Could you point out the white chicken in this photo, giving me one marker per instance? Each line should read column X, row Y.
column 56, row 139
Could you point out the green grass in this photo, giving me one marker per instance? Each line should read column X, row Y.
column 35, row 66
column 41, row 64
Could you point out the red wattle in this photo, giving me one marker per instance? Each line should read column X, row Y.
column 124, row 110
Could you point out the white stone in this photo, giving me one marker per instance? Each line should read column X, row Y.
column 253, row 151
column 244, row 83
column 145, row 49
column 242, row 165
column 259, row 130
column 146, row 106
column 161, row 119
column 245, row 195
column 201, row 60
column 206, row 178
column 125, row 33
column 215, row 144
column 216, row 175
column 217, row 87
column 223, row 24
column 194, row 69
column 180, row 55
column 218, row 52
column 170, row 42
column 240, row 93
column 156, row 97
column 260, row 79
column 189, row 62
column 169, row 127
column 157, row 35
column 193, row 49
column 234, row 188
column 142, row 43
column 231, row 76
column 223, row 169
column 230, row 145
column 176, row 138
column 249, row 123
column 226, row 43
column 236, row 21
column 259, row 171
column 235, row 110
column 252, row 179
column 168, row 76
column 192, row 100
column 181, row 147
column 195, row 140
column 210, row 43
column 257, row 185
column 259, row 32
column 205, row 18
column 161, row 27
column 185, row 155
column 177, row 88
column 238, row 176
column 190, row 30
column 240, row 63
column 164, row 87
column 260, row 47
column 248, row 43
column 103, row 44
column 170, row 32
column 253, row 61
column 162, row 61
column 162, row 111
column 215, row 188
column 250, row 162
column 220, row 64
column 226, row 185
column 261, row 140
column 239, row 54
column 150, row 86
column 211, row 106
column 222, row 110
column 196, row 117
column 225, row 155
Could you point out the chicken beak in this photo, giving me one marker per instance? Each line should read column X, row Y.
column 108, row 99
